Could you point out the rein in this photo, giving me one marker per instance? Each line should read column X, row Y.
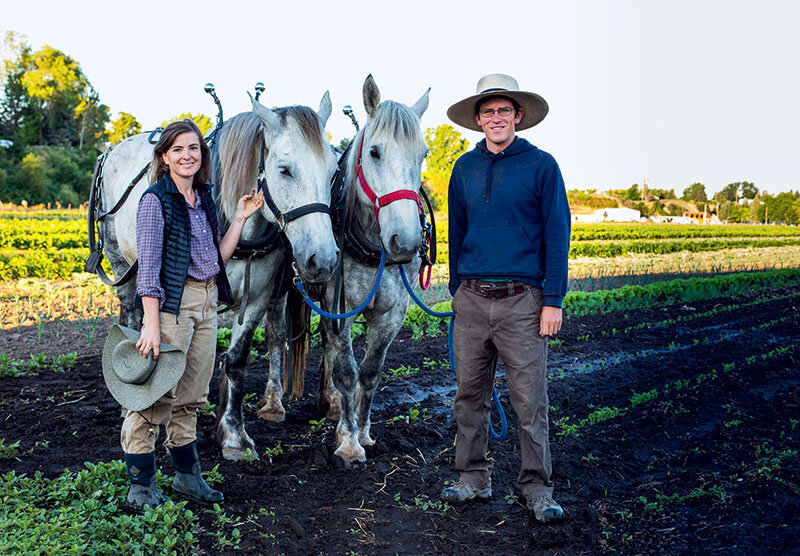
column 449, row 314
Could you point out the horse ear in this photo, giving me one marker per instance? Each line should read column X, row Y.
column 422, row 104
column 371, row 94
column 271, row 121
column 325, row 108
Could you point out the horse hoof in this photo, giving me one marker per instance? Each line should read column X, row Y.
column 237, row 454
column 350, row 452
column 365, row 439
column 274, row 414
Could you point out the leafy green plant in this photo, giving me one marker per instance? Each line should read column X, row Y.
column 80, row 513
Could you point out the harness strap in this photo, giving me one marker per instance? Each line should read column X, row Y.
column 379, row 202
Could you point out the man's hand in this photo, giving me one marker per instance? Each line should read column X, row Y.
column 549, row 321
column 149, row 339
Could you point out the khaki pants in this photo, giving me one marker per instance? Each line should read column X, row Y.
column 508, row 327
column 194, row 331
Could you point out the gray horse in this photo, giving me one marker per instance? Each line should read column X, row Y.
column 298, row 165
column 391, row 153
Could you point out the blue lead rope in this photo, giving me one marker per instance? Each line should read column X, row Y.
column 503, row 423
column 322, row 312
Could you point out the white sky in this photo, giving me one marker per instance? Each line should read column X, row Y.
column 670, row 92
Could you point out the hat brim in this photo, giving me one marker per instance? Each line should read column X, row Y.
column 136, row 397
column 534, row 108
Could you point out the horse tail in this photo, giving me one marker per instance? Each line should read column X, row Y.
column 238, row 159
column 298, row 318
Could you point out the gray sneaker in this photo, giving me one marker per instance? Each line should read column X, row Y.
column 463, row 491
column 545, row 508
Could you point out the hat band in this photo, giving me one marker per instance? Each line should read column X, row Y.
column 495, row 89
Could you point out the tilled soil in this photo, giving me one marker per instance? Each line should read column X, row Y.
column 703, row 461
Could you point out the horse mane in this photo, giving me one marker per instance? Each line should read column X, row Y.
column 239, row 151
column 392, row 120
column 237, row 172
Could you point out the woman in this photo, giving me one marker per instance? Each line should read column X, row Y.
column 181, row 274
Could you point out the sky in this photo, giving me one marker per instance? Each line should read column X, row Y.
column 671, row 93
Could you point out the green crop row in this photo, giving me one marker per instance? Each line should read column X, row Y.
column 607, row 249
column 581, row 232
column 678, row 290
column 47, row 263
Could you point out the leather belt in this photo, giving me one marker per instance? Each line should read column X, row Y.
column 494, row 289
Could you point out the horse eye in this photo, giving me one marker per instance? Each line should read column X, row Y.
column 374, row 153
column 286, row 172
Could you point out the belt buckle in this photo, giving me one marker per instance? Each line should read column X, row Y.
column 487, row 287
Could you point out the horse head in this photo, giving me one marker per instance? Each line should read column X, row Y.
column 391, row 149
column 298, row 166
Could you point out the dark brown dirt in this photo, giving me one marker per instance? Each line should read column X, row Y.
column 707, row 467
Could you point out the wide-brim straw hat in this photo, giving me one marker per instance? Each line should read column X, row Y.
column 135, row 382
column 499, row 84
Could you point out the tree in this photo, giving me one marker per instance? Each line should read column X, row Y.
column 202, row 121
column 728, row 193
column 633, row 193
column 47, row 100
column 748, row 189
column 695, row 192
column 123, row 127
column 445, row 145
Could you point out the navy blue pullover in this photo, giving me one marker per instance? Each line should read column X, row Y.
column 509, row 219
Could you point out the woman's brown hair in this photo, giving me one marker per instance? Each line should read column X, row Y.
column 165, row 141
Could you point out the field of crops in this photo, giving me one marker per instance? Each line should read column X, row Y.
column 675, row 425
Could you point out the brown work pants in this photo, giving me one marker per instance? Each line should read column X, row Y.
column 509, row 327
column 194, row 331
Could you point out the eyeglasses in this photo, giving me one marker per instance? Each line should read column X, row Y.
column 504, row 111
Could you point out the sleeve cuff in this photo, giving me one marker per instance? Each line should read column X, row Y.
column 154, row 292
column 553, row 300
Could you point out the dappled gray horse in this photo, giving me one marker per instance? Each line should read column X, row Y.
column 298, row 166
column 391, row 149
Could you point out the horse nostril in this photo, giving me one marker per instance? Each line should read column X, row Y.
column 311, row 263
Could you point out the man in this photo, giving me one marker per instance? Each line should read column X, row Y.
column 509, row 241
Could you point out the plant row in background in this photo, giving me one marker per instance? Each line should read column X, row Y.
column 582, row 232
column 607, row 249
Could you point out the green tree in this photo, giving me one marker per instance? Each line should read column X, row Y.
column 445, row 145
column 47, row 100
column 728, row 193
column 748, row 189
column 202, row 121
column 695, row 192
column 123, row 127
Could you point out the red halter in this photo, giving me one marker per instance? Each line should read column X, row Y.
column 378, row 202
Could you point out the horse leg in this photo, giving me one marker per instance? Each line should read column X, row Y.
column 271, row 407
column 231, row 434
column 382, row 330
column 341, row 363
column 129, row 314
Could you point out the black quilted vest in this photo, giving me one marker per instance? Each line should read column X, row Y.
column 177, row 243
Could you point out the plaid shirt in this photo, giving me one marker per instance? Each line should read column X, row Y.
column 203, row 263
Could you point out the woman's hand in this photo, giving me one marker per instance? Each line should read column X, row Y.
column 248, row 205
column 149, row 339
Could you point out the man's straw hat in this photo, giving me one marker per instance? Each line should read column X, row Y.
column 499, row 84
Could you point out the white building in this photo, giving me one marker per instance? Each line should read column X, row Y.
column 617, row 215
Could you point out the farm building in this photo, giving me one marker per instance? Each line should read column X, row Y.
column 617, row 215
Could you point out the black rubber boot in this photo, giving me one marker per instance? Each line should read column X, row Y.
column 142, row 474
column 188, row 479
